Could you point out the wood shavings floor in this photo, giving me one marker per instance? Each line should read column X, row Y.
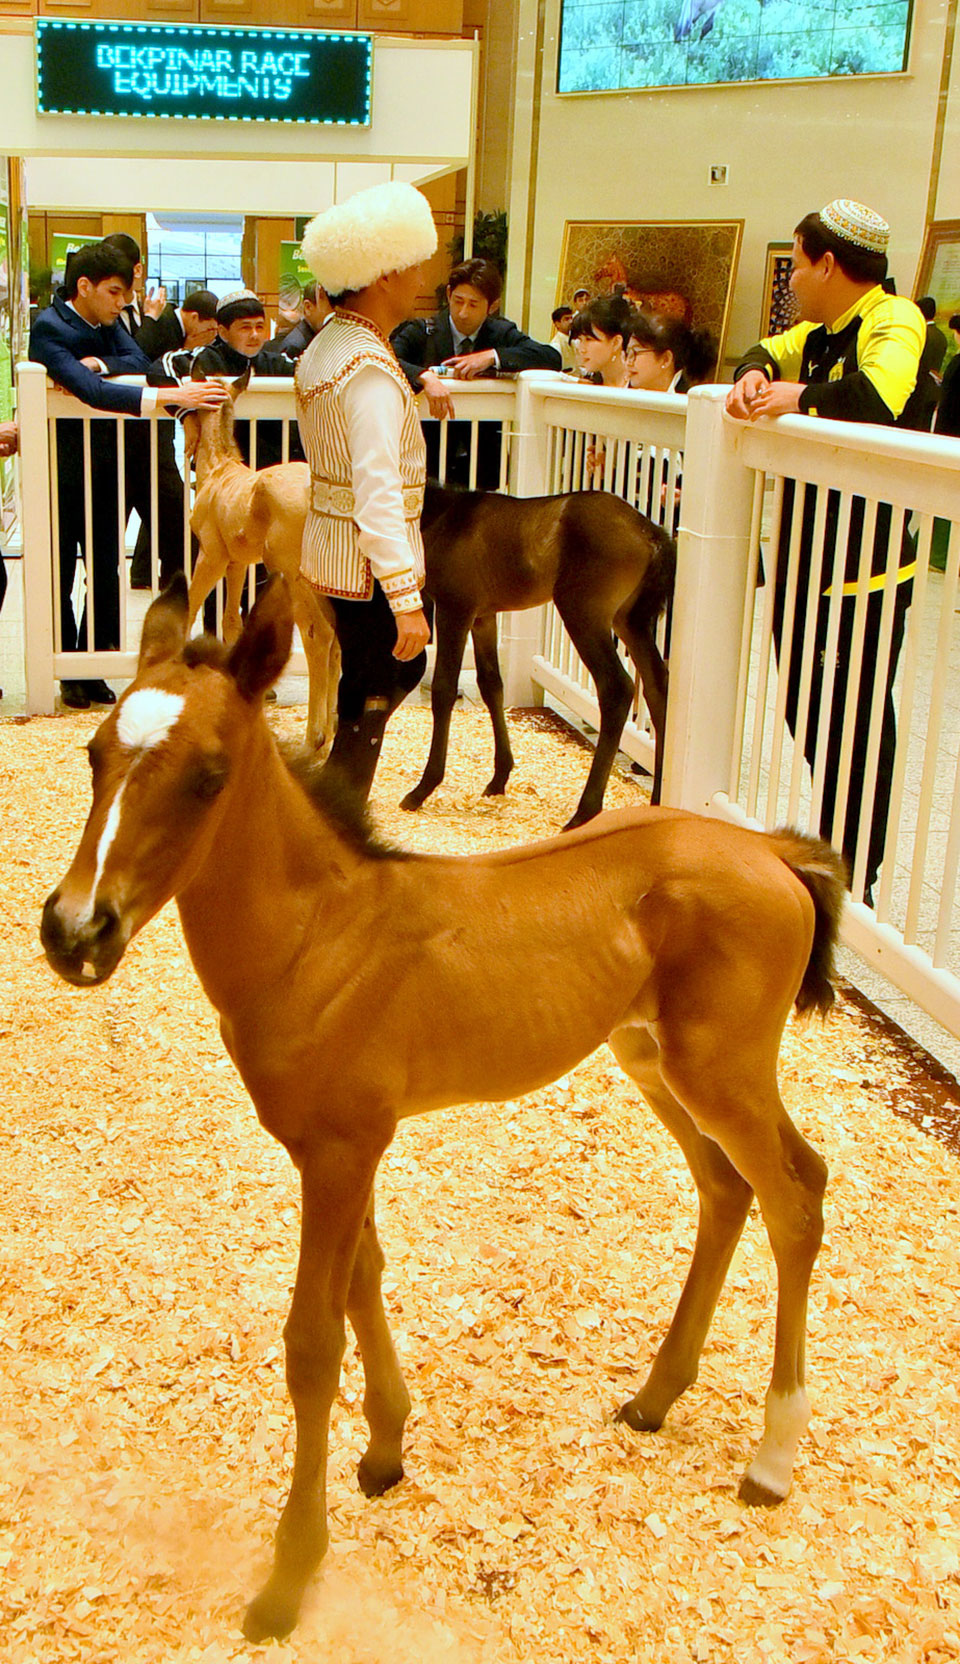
column 535, row 1251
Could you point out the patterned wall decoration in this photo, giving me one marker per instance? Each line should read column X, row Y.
column 683, row 267
column 779, row 309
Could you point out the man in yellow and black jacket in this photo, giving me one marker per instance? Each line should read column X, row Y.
column 854, row 358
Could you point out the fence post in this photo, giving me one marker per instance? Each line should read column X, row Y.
column 521, row 632
column 38, row 637
column 712, row 550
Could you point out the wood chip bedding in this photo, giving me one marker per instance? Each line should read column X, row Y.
column 535, row 1252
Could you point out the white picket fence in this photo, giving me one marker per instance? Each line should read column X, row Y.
column 729, row 750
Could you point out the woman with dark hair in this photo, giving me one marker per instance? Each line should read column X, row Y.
column 664, row 355
column 600, row 334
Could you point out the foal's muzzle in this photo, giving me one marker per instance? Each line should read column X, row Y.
column 82, row 951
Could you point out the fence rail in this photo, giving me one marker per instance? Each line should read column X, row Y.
column 793, row 540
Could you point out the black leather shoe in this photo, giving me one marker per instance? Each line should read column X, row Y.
column 99, row 694
column 75, row 696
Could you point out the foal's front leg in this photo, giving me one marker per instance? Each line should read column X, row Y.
column 336, row 1180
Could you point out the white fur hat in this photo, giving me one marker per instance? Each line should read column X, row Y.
column 386, row 228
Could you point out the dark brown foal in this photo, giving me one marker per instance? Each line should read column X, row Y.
column 609, row 572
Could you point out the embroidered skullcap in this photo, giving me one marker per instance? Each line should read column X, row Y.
column 240, row 303
column 387, row 228
column 856, row 224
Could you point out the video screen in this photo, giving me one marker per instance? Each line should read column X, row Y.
column 612, row 47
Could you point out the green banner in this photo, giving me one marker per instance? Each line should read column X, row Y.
column 63, row 243
column 294, row 273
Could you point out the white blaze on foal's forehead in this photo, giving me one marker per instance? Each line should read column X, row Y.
column 146, row 717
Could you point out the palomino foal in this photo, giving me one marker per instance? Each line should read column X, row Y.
column 680, row 940
column 243, row 515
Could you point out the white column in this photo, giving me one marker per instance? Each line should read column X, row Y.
column 712, row 550
column 38, row 554
column 522, row 632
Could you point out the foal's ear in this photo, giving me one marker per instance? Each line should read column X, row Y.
column 165, row 625
column 263, row 649
column 241, row 384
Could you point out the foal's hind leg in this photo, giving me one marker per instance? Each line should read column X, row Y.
column 593, row 639
column 490, row 683
column 724, row 1203
column 723, row 1072
column 386, row 1402
column 451, row 631
column 314, row 617
column 653, row 674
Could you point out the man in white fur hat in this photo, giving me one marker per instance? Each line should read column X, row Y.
column 362, row 436
column 854, row 357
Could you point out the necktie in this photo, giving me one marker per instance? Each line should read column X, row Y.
column 467, row 345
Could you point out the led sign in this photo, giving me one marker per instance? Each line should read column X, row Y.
column 153, row 69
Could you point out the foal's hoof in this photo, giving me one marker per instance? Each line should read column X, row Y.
column 580, row 818
column 414, row 799
column 756, row 1495
column 635, row 1418
column 495, row 788
column 271, row 1616
column 374, row 1481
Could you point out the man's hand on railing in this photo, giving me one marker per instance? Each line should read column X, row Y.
column 743, row 395
column 778, row 398
column 438, row 399
column 154, row 302
column 8, row 438
column 195, row 395
column 470, row 365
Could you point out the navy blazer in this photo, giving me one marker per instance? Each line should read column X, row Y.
column 60, row 338
column 421, row 342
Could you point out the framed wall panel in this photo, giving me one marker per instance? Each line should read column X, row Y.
column 683, row 268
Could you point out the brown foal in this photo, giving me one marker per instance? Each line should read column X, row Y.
column 682, row 941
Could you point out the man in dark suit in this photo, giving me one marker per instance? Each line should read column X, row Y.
column 470, row 339
column 180, row 328
column 80, row 341
column 141, row 313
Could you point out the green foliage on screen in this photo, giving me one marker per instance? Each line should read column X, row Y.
column 618, row 45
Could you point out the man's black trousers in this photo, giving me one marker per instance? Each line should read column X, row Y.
column 871, row 668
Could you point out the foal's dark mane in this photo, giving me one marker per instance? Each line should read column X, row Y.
column 332, row 799
column 339, row 806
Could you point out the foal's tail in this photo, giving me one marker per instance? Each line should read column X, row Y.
column 823, row 874
column 655, row 588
